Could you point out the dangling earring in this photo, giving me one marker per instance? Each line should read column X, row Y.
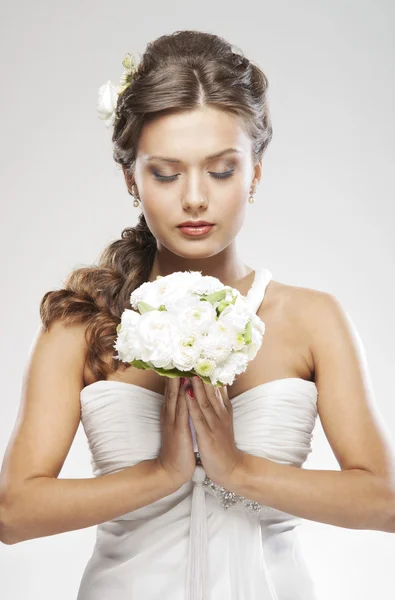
column 136, row 198
column 251, row 198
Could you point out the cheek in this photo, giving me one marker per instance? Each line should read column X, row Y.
column 234, row 202
column 161, row 214
column 236, row 191
column 159, row 199
column 235, row 216
column 156, row 214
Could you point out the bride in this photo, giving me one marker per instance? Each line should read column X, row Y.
column 190, row 128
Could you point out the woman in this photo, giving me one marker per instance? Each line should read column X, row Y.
column 191, row 126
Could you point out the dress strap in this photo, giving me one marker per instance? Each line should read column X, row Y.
column 257, row 291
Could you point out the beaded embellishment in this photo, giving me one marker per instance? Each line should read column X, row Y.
column 229, row 499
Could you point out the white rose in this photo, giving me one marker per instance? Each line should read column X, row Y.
column 197, row 319
column 130, row 318
column 238, row 341
column 187, row 279
column 177, row 306
column 156, row 331
column 258, row 324
column 138, row 294
column 256, row 341
column 241, row 302
column 175, row 290
column 235, row 317
column 224, row 374
column 238, row 361
column 127, row 342
column 208, row 285
column 168, row 291
column 107, row 102
column 186, row 351
column 226, row 371
column 205, row 367
column 217, row 344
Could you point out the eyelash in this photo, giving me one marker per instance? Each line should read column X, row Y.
column 170, row 178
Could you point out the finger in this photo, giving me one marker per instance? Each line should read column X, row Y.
column 197, row 416
column 216, row 398
column 204, row 401
column 163, row 406
column 223, row 390
column 164, row 403
column 172, row 397
column 214, row 403
column 182, row 408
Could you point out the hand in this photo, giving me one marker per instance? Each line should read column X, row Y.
column 212, row 416
column 176, row 456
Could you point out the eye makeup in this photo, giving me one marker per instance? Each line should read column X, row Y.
column 169, row 178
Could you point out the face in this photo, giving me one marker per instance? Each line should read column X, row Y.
column 192, row 185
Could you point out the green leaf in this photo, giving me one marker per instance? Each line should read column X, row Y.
column 144, row 307
column 174, row 372
column 216, row 296
column 221, row 306
column 139, row 364
column 247, row 333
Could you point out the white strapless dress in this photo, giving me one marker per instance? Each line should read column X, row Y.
column 251, row 551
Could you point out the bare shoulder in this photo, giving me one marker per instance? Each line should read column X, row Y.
column 286, row 348
column 296, row 304
column 318, row 313
column 296, row 314
column 294, row 298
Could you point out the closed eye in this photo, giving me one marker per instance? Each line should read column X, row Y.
column 166, row 179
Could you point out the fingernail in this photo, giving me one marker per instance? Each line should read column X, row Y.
column 190, row 392
column 182, row 380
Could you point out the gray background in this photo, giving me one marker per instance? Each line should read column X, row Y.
column 323, row 216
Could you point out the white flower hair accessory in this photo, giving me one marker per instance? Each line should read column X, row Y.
column 108, row 92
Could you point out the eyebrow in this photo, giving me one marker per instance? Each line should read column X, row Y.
column 176, row 160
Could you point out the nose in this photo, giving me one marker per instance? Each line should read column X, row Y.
column 194, row 196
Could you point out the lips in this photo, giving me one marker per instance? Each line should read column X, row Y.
column 195, row 231
column 195, row 224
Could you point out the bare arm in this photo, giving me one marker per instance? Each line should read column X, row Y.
column 362, row 494
column 33, row 501
column 46, row 506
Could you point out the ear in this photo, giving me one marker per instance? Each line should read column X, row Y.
column 257, row 173
column 128, row 178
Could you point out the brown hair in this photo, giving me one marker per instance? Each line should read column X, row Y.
column 180, row 71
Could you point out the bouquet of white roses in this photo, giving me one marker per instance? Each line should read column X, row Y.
column 187, row 324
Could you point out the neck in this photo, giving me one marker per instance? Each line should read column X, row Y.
column 226, row 266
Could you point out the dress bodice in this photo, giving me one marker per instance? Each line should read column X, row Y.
column 121, row 420
column 274, row 420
